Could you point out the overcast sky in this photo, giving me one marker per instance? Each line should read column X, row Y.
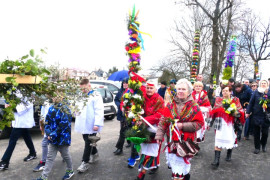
column 89, row 34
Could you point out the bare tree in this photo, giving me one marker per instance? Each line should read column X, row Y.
column 256, row 37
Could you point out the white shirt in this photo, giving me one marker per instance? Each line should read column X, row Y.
column 24, row 117
column 90, row 115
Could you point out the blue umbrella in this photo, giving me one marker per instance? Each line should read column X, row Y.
column 119, row 75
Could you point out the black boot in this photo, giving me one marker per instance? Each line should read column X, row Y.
column 263, row 148
column 187, row 177
column 118, row 151
column 215, row 164
column 229, row 155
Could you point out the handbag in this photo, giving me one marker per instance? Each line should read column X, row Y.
column 185, row 148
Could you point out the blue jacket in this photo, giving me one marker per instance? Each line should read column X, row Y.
column 117, row 101
column 244, row 96
column 58, row 124
column 256, row 109
column 161, row 92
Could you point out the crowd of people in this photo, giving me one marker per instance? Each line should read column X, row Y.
column 181, row 112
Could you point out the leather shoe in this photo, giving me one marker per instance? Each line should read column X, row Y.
column 128, row 145
column 264, row 148
column 118, row 151
column 256, row 151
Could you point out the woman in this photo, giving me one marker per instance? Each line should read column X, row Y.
column 150, row 150
column 227, row 115
column 257, row 108
column 170, row 92
column 200, row 97
column 187, row 120
column 121, row 118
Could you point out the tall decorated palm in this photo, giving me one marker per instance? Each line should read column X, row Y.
column 133, row 98
column 227, row 72
column 195, row 57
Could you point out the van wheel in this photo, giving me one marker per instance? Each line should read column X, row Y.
column 5, row 133
column 110, row 117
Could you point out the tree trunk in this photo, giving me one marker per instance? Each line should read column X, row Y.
column 215, row 43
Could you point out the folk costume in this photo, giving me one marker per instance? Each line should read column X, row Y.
column 225, row 124
column 150, row 150
column 188, row 113
column 202, row 100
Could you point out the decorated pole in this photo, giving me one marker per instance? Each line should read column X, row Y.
column 133, row 98
column 195, row 57
column 227, row 72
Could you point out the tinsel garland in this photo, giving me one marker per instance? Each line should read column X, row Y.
column 133, row 99
column 227, row 72
column 195, row 57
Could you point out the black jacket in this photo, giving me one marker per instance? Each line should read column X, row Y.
column 256, row 109
column 117, row 101
column 244, row 96
column 161, row 91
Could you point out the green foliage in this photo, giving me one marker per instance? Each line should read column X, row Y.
column 141, row 132
column 37, row 93
column 227, row 73
column 111, row 71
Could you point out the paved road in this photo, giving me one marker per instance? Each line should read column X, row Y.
column 244, row 165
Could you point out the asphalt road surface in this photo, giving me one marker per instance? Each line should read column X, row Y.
column 244, row 165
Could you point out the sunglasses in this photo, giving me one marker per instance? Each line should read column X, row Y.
column 253, row 85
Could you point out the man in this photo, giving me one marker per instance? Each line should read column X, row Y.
column 24, row 120
column 162, row 89
column 254, row 86
column 170, row 92
column 89, row 122
column 246, row 82
column 200, row 79
column 244, row 93
column 150, row 150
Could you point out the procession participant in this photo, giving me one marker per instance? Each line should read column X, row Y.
column 58, row 131
column 150, row 150
column 227, row 114
column 45, row 142
column 200, row 97
column 121, row 118
column 89, row 121
column 162, row 89
column 258, row 107
column 243, row 93
column 187, row 120
column 170, row 92
column 24, row 120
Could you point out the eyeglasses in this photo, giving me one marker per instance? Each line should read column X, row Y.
column 253, row 85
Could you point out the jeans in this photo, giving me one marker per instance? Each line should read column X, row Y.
column 16, row 133
column 53, row 149
column 260, row 135
column 44, row 145
column 246, row 130
column 121, row 139
column 87, row 148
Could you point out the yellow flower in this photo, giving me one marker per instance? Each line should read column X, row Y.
column 133, row 107
column 135, row 127
column 139, row 83
column 233, row 106
column 126, row 95
column 135, row 62
column 228, row 112
column 133, row 82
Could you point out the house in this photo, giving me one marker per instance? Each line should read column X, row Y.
column 75, row 73
column 98, row 75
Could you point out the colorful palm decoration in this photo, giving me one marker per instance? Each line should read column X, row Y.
column 195, row 57
column 227, row 72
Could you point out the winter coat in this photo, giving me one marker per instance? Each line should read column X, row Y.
column 161, row 92
column 256, row 109
column 244, row 96
column 117, row 100
column 58, row 125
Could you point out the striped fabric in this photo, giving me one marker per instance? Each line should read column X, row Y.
column 148, row 162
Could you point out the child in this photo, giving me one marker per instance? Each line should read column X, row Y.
column 58, row 131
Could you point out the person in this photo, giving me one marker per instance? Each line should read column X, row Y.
column 162, row 89
column 121, row 118
column 45, row 142
column 199, row 78
column 258, row 109
column 243, row 93
column 200, row 97
column 150, row 150
column 24, row 120
column 246, row 82
column 269, row 81
column 254, row 86
column 258, row 80
column 231, row 82
column 227, row 114
column 188, row 120
column 58, row 131
column 89, row 121
column 170, row 92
